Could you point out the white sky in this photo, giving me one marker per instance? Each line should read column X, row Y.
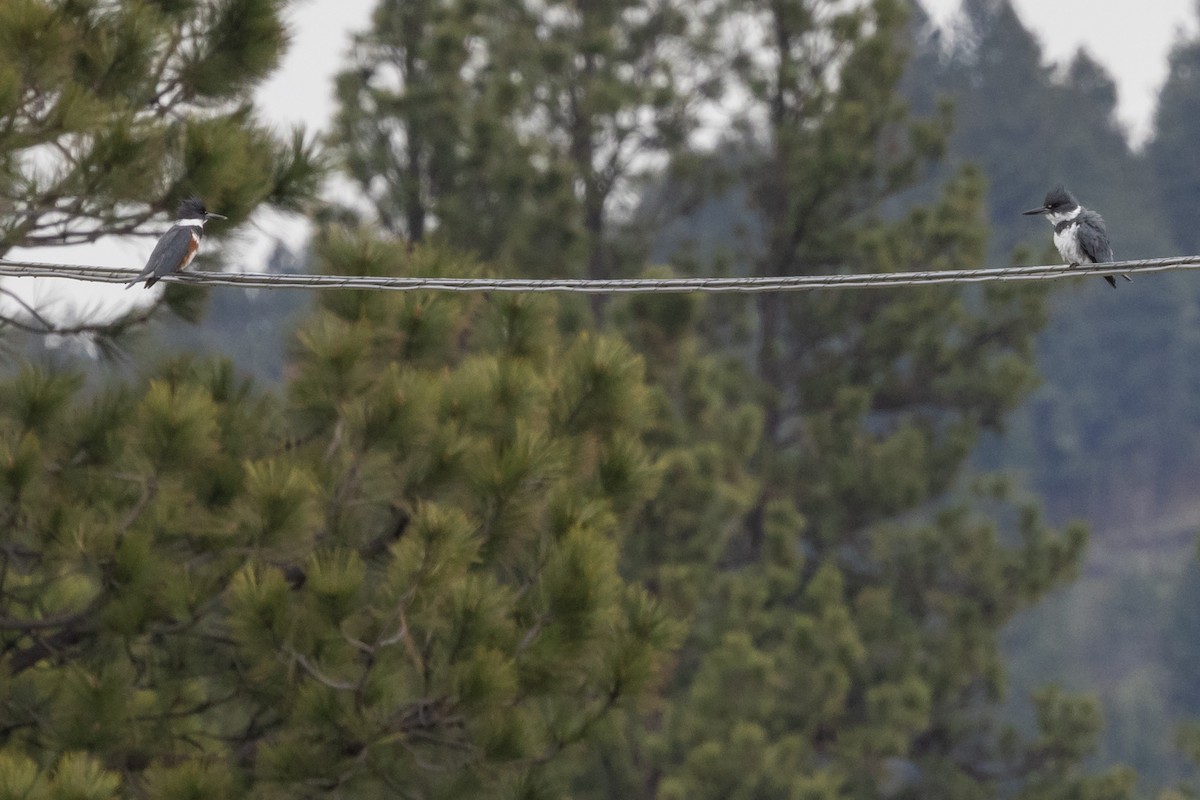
column 302, row 89
column 1131, row 39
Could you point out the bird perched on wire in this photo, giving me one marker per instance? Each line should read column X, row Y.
column 179, row 245
column 1079, row 233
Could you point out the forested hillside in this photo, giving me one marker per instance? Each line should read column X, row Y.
column 1111, row 434
column 648, row 546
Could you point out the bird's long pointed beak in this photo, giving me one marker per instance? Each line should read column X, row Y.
column 211, row 215
column 1032, row 211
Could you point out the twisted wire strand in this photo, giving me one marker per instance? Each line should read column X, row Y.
column 262, row 280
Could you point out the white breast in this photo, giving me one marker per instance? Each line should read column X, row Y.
column 1068, row 245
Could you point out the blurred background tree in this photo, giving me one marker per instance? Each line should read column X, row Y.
column 798, row 434
column 524, row 132
column 845, row 579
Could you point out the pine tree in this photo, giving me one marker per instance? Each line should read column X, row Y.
column 476, row 474
column 1168, row 152
column 115, row 111
column 120, row 537
column 844, row 587
column 1109, row 434
column 831, row 648
column 1029, row 125
column 402, row 579
column 519, row 131
column 450, row 562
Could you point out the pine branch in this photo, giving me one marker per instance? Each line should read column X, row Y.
column 316, row 674
column 45, row 327
column 57, row 621
column 22, row 660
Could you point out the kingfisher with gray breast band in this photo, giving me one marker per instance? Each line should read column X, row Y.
column 179, row 245
column 1079, row 233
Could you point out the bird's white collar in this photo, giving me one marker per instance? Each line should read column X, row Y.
column 1056, row 217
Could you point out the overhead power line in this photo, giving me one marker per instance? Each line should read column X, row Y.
column 795, row 283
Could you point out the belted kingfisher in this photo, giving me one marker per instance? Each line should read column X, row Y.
column 1079, row 233
column 178, row 246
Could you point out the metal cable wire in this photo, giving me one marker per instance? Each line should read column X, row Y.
column 261, row 280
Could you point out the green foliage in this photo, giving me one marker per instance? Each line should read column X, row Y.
column 106, row 567
column 406, row 575
column 513, row 130
column 844, row 592
column 1011, row 108
column 477, row 624
column 114, row 111
column 472, row 551
column 1102, row 404
column 74, row 777
column 1110, row 435
column 244, row 41
column 129, row 107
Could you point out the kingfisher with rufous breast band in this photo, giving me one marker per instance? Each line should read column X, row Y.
column 179, row 245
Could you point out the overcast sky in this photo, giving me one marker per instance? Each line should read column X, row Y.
column 1131, row 41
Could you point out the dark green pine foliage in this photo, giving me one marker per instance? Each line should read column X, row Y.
column 428, row 127
column 463, row 622
column 1110, row 435
column 616, row 89
column 845, row 589
column 112, row 112
column 401, row 581
column 126, row 516
column 407, row 107
column 419, row 574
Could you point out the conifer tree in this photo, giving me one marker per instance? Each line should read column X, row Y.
column 832, row 650
column 401, row 580
column 1103, row 404
column 1029, row 125
column 429, row 569
column 126, row 515
column 844, row 592
column 1168, row 151
column 115, row 111
column 467, row 622
column 521, row 130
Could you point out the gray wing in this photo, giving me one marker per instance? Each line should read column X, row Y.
column 1093, row 238
column 168, row 254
